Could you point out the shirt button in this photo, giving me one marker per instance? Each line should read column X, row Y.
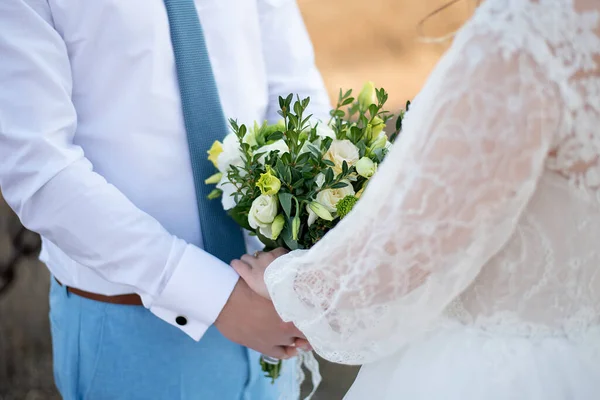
column 181, row 321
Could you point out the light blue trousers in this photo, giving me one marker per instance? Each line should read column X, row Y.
column 113, row 352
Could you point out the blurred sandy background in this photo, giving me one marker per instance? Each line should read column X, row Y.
column 355, row 41
column 377, row 40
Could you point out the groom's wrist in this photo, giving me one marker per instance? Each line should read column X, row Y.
column 196, row 292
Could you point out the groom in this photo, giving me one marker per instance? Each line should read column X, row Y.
column 107, row 108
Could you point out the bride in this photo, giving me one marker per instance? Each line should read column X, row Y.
column 470, row 268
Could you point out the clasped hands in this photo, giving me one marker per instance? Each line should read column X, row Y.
column 249, row 318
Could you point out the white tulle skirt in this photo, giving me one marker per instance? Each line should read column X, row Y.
column 472, row 364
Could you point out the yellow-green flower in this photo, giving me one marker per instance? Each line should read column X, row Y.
column 214, row 179
column 295, row 227
column 365, row 167
column 374, row 129
column 213, row 153
column 379, row 143
column 215, row 194
column 320, row 210
column 367, row 96
column 378, row 126
column 268, row 183
column 277, row 226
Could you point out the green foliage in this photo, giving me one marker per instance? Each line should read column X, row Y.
column 302, row 170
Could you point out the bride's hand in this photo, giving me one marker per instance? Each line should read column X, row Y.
column 252, row 269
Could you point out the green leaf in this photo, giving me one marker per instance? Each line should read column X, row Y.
column 286, row 159
column 362, row 148
column 356, row 134
column 287, row 176
column 314, row 150
column 285, row 199
column 307, row 168
column 298, row 108
column 329, row 163
column 363, row 121
column 399, row 123
column 344, row 167
column 385, row 98
column 349, row 100
column 348, row 93
column 373, row 108
column 305, row 102
column 353, row 109
column 302, row 158
column 257, row 156
column 280, row 168
column 305, row 120
column 286, row 235
column 275, row 136
column 380, row 93
column 326, row 143
column 293, row 121
column 339, row 185
column 288, row 99
column 339, row 113
column 329, row 176
column 298, row 183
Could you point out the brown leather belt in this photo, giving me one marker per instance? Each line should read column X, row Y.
column 123, row 299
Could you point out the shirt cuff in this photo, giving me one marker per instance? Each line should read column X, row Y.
column 196, row 292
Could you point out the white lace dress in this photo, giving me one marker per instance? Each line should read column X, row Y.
column 470, row 268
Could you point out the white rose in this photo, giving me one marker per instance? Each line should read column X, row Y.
column 262, row 213
column 340, row 151
column 330, row 197
column 231, row 155
column 268, row 148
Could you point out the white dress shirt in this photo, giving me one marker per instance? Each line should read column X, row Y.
column 93, row 150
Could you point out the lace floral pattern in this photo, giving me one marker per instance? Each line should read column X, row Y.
column 485, row 212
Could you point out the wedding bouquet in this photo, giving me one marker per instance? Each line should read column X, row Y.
column 291, row 182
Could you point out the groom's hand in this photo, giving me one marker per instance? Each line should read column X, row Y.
column 251, row 320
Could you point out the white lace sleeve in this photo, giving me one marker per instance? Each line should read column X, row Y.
column 443, row 203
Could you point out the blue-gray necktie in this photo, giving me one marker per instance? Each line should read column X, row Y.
column 204, row 123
